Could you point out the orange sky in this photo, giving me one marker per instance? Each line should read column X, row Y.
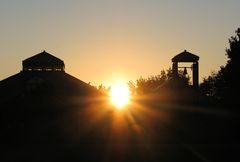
column 101, row 41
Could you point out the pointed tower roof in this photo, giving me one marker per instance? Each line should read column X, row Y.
column 43, row 60
column 185, row 56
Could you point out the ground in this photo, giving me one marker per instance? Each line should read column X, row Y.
column 97, row 132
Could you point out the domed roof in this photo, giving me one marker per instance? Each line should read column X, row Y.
column 185, row 57
column 43, row 59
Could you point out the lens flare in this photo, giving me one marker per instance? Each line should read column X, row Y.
column 120, row 95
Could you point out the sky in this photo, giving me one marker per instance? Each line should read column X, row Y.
column 105, row 40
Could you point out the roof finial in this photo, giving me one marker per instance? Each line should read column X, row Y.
column 185, row 50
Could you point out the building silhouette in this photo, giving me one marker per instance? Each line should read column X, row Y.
column 188, row 57
column 43, row 75
column 49, row 115
column 43, row 62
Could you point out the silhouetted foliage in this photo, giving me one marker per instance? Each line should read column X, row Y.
column 53, row 116
column 214, row 85
column 224, row 85
column 104, row 89
column 152, row 83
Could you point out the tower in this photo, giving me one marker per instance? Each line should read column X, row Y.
column 43, row 62
column 187, row 57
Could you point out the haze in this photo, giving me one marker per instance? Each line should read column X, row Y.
column 101, row 40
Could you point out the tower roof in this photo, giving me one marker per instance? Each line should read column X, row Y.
column 43, row 60
column 185, row 57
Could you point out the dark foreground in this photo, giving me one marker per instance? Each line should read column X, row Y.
column 39, row 131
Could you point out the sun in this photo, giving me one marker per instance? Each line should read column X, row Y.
column 120, row 95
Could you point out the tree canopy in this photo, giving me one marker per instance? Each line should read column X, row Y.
column 224, row 85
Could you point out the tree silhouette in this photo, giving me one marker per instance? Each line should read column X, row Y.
column 224, row 85
column 152, row 83
column 104, row 89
